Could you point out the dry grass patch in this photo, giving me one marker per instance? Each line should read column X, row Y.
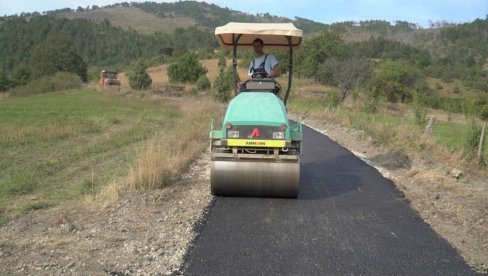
column 446, row 88
column 165, row 155
column 124, row 80
column 108, row 195
column 212, row 66
column 3, row 95
column 159, row 74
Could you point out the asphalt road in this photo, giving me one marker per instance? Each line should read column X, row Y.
column 347, row 220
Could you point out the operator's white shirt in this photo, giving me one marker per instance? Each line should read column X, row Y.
column 271, row 62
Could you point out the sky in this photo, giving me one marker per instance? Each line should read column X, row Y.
column 324, row 11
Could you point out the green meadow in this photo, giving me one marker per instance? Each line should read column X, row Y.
column 58, row 146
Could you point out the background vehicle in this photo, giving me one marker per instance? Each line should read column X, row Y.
column 109, row 78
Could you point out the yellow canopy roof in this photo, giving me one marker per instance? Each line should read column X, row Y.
column 274, row 35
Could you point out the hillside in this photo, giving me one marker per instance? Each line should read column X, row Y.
column 133, row 18
column 150, row 17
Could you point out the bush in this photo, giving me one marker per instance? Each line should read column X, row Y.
column 203, row 83
column 456, row 90
column 316, row 50
column 4, row 81
column 332, row 99
column 474, row 102
column 438, row 86
column 21, row 74
column 59, row 81
column 484, row 112
column 394, row 79
column 62, row 81
column 370, row 104
column 472, row 139
column 346, row 74
column 418, row 105
column 419, row 114
column 222, row 61
column 186, row 68
column 57, row 55
column 138, row 77
column 223, row 85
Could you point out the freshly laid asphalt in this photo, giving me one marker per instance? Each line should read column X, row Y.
column 347, row 220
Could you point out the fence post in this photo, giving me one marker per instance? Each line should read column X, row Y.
column 482, row 138
column 430, row 125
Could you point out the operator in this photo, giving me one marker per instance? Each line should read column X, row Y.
column 263, row 65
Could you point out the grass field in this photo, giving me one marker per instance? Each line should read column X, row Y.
column 62, row 145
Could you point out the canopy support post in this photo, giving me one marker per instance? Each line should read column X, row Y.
column 235, row 40
column 290, row 68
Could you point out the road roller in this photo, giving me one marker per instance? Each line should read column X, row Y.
column 255, row 149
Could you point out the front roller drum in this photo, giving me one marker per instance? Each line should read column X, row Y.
column 255, row 178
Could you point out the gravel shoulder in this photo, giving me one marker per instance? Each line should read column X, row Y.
column 148, row 233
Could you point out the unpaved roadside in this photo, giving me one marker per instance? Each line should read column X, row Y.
column 148, row 233
column 145, row 233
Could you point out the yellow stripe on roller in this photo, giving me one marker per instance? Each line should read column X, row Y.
column 256, row 143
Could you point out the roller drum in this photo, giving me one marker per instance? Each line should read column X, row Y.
column 255, row 178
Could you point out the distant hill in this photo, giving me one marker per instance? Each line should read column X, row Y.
column 132, row 18
column 150, row 17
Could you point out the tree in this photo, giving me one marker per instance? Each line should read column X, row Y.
column 56, row 55
column 395, row 78
column 186, row 68
column 138, row 77
column 203, row 83
column 4, row 81
column 316, row 51
column 223, row 84
column 21, row 74
column 346, row 74
column 222, row 60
